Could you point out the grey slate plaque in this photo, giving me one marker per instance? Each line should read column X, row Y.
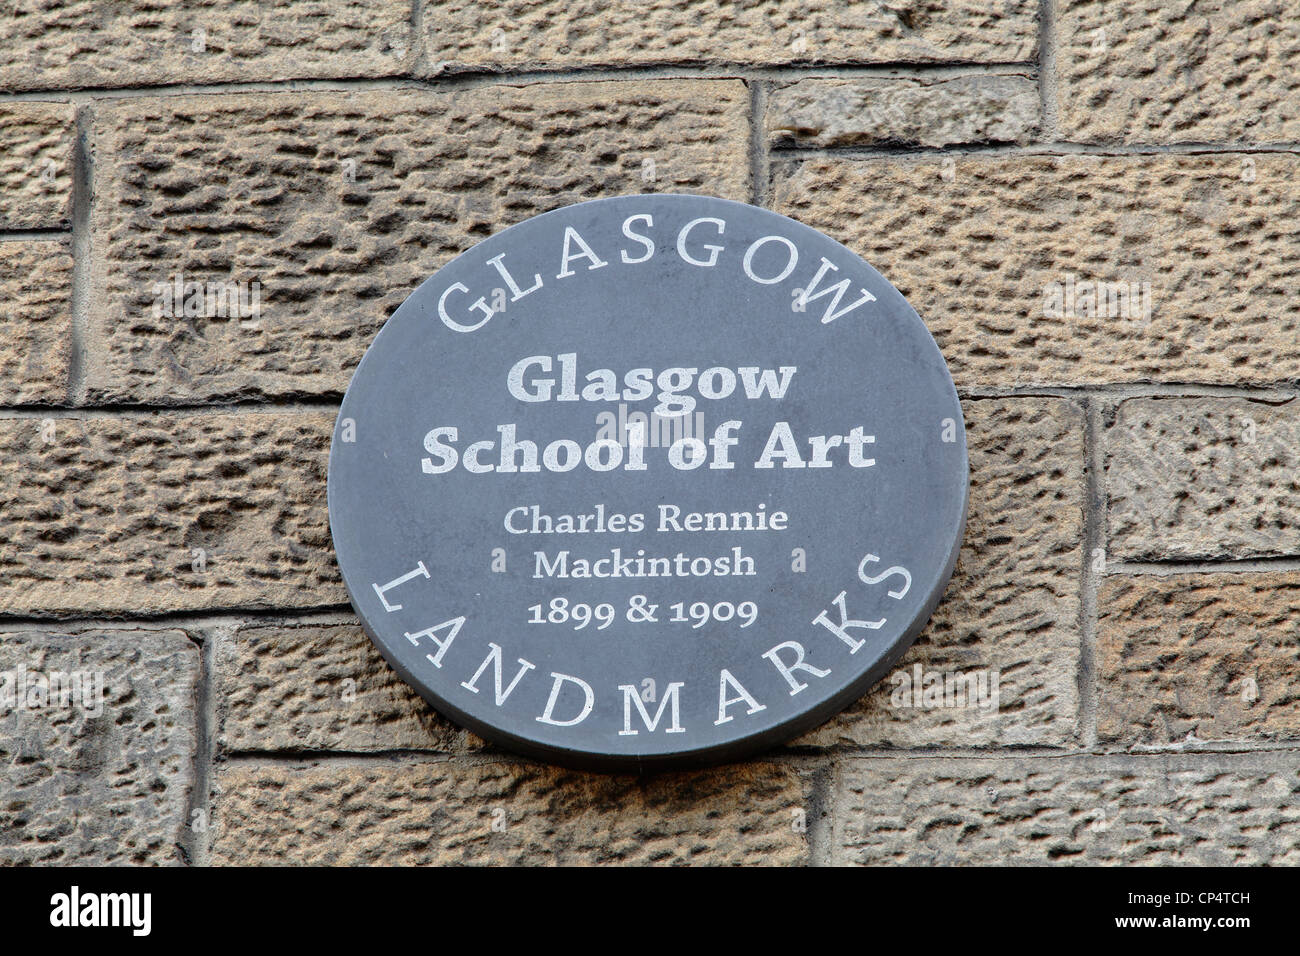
column 648, row 481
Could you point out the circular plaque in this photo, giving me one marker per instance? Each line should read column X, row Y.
column 648, row 481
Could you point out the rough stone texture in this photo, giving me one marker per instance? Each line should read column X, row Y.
column 35, row 321
column 339, row 197
column 1013, row 602
column 261, row 191
column 321, row 687
column 1203, row 478
column 1199, row 657
column 975, row 243
column 965, row 109
column 122, row 43
column 444, row 813
column 1147, row 71
column 110, row 514
column 36, row 164
column 523, row 34
column 97, row 780
column 1154, row 810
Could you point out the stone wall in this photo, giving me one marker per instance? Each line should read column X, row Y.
column 1131, row 569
